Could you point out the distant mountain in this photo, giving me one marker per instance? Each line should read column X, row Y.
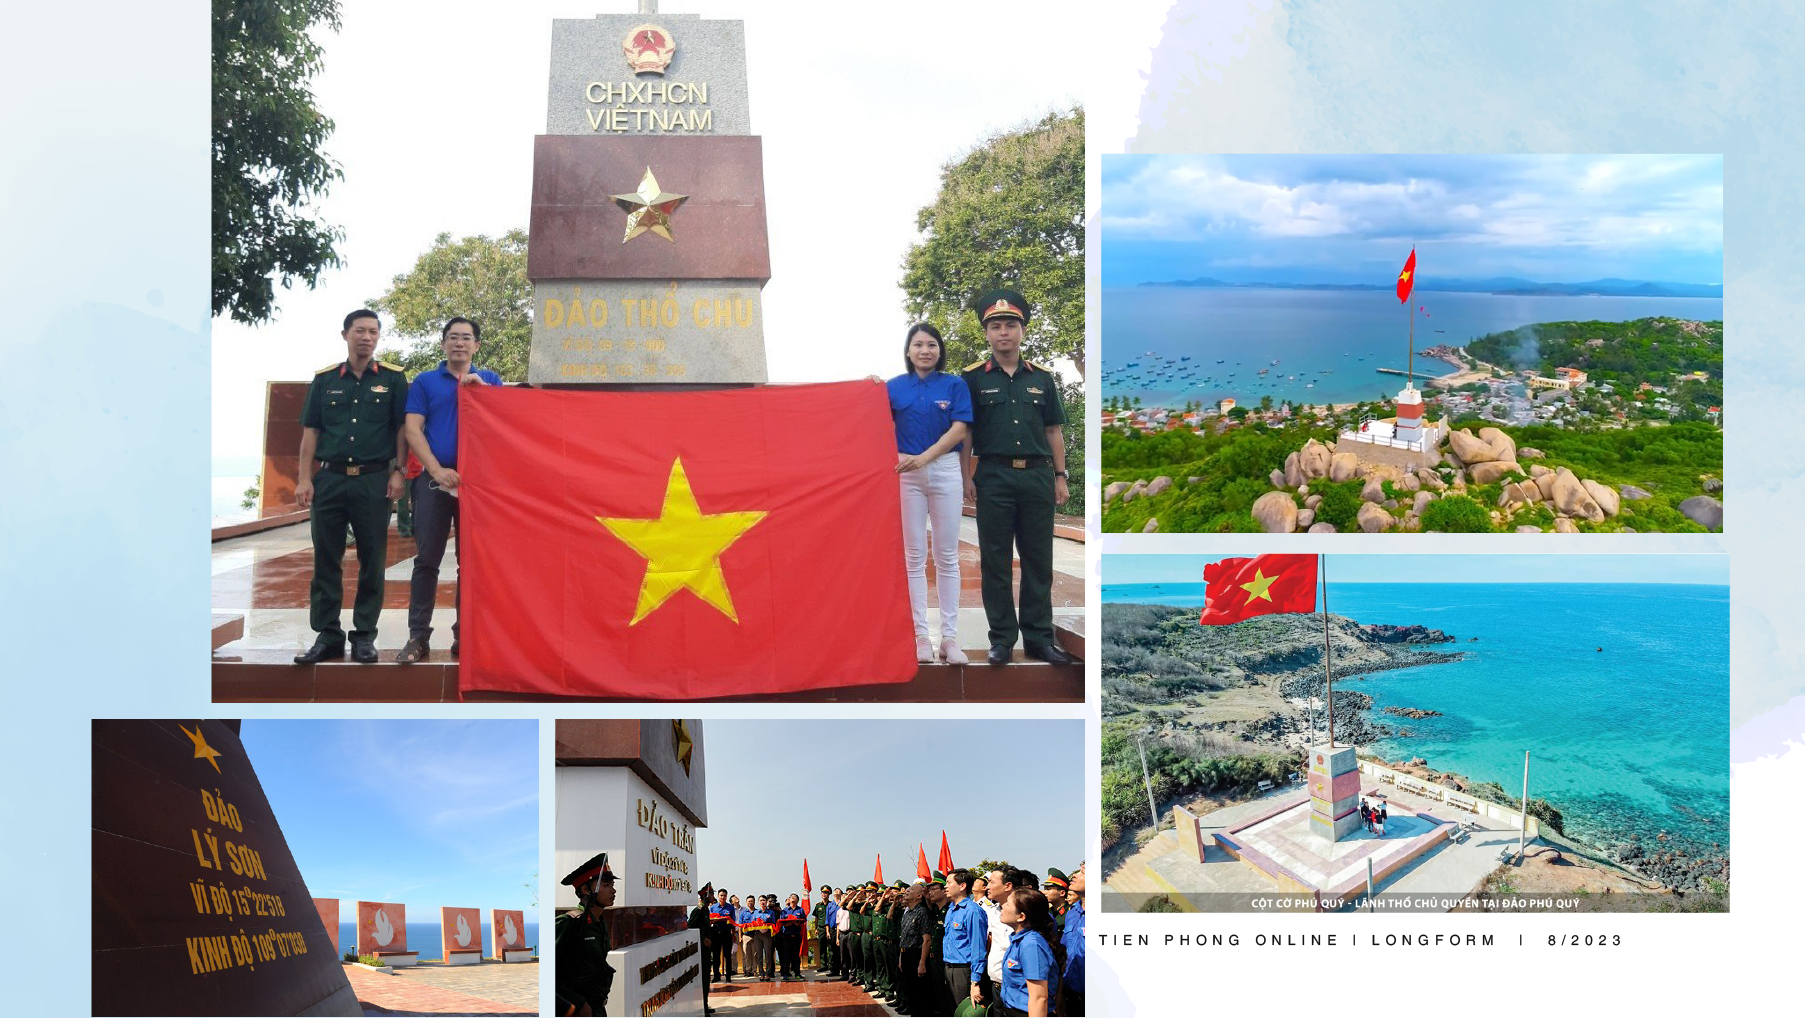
column 1506, row 285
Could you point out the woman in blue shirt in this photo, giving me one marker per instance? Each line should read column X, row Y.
column 1030, row 973
column 932, row 411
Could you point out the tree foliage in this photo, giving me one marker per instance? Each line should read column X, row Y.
column 480, row 278
column 268, row 169
column 1009, row 214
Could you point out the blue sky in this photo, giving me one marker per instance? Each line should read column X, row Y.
column 425, row 813
column 1353, row 219
column 840, row 792
column 1706, row 569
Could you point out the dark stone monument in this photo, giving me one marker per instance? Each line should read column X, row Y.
column 647, row 247
column 199, row 908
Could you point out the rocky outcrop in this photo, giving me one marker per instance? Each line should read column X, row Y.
column 1705, row 511
column 1421, row 502
column 1544, row 483
column 1293, row 474
column 1373, row 491
column 1157, row 485
column 1471, row 449
column 1278, row 479
column 1431, row 480
column 1526, row 453
column 1490, row 470
column 1537, row 470
column 1712, row 484
column 1305, row 518
column 1631, row 493
column 1407, row 634
column 1140, row 488
column 1343, row 466
column 1115, row 488
column 1152, row 525
column 1313, row 460
column 1563, row 525
column 1570, row 497
column 1412, row 712
column 1503, row 446
column 1603, row 495
column 1372, row 519
column 1410, row 483
column 1529, row 530
column 1322, row 528
column 1312, row 502
column 1276, row 513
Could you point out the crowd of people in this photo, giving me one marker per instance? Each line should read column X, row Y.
column 993, row 433
column 1005, row 942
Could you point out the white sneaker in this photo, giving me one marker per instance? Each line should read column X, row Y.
column 951, row 654
column 924, row 651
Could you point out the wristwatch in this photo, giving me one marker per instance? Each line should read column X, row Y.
column 1058, row 473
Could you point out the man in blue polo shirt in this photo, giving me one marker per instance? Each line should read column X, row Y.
column 965, row 945
column 1071, row 983
column 432, row 434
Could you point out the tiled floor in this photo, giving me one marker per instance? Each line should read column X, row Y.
column 265, row 578
column 487, row 989
column 811, row 996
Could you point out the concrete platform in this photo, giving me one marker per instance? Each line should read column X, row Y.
column 261, row 578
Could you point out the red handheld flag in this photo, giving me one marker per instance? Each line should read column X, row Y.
column 946, row 855
column 921, row 862
column 879, row 875
column 671, row 546
column 807, row 887
column 1240, row 588
column 1407, row 278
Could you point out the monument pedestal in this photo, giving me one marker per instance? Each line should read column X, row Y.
column 634, row 789
column 1334, row 792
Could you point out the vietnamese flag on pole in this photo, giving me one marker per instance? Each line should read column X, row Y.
column 1407, row 278
column 946, row 855
column 879, row 876
column 807, row 887
column 921, row 862
column 1240, row 588
column 681, row 546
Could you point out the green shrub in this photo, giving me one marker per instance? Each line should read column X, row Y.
column 1158, row 903
column 1340, row 503
column 1457, row 514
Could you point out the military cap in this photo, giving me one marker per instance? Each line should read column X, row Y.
column 1002, row 304
column 939, row 878
column 1055, row 878
column 900, row 885
column 595, row 867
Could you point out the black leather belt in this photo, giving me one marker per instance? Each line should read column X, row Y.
column 1020, row 462
column 355, row 469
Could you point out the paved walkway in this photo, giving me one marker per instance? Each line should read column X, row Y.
column 429, row 989
column 814, row 995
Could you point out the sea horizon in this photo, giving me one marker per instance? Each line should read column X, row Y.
column 424, row 938
column 1328, row 343
column 1618, row 691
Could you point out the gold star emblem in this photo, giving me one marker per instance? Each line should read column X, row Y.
column 1260, row 587
column 1403, row 275
column 202, row 751
column 686, row 746
column 649, row 208
column 682, row 547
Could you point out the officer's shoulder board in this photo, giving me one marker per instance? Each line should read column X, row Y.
column 334, row 366
column 975, row 365
column 392, row 367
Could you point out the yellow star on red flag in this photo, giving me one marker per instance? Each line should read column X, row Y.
column 1259, row 587
column 682, row 547
column 202, row 751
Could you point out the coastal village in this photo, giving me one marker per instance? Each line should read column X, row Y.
column 1620, row 381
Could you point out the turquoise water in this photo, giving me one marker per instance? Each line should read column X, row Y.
column 1633, row 739
column 1312, row 331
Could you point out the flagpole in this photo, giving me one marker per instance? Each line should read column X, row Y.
column 1328, row 674
column 1410, row 355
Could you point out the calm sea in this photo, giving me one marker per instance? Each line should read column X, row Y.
column 1312, row 331
column 424, row 938
column 1620, row 693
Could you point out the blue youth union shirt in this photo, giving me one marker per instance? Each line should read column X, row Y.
column 434, row 396
column 923, row 408
column 1073, row 940
column 1029, row 958
column 963, row 943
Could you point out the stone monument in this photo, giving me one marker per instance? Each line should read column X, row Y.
column 1334, row 791
column 198, row 907
column 636, row 790
column 508, row 927
column 647, row 247
column 382, row 931
column 461, row 935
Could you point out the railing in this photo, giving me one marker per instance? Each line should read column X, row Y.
column 1510, row 818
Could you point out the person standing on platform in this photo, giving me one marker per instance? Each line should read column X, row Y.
column 963, row 949
column 932, row 411
column 698, row 921
column 432, row 434
column 1030, row 981
column 719, row 943
column 584, row 976
column 1071, row 984
column 1018, row 439
column 352, row 449
column 825, row 912
column 790, row 922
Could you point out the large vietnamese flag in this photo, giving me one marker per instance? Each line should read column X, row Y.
column 668, row 546
column 1407, row 277
column 1240, row 588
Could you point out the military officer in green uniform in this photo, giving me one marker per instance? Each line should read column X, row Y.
column 1018, row 438
column 353, row 454
column 584, row 976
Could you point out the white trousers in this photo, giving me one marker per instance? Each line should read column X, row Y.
column 934, row 493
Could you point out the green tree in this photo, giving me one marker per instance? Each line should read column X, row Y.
column 268, row 170
column 480, row 278
column 1009, row 213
